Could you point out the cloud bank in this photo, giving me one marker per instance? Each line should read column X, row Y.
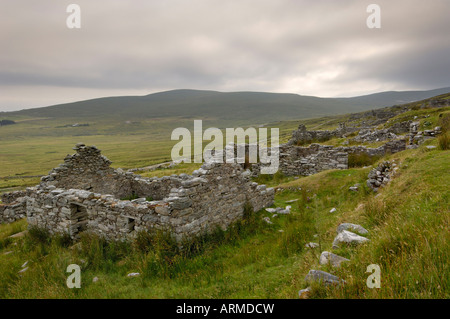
column 321, row 48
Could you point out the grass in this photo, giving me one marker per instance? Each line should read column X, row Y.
column 361, row 159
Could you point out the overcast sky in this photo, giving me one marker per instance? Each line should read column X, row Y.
column 321, row 48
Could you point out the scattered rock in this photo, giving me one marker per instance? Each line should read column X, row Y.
column 354, row 227
column 279, row 210
column 304, row 293
column 95, row 279
column 348, row 238
column 133, row 274
column 329, row 258
column 333, row 210
column 23, row 270
column 311, row 245
column 322, row 277
column 18, row 235
column 267, row 220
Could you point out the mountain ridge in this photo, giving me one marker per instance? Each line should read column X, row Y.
column 259, row 107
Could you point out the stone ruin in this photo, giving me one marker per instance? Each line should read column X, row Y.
column 86, row 194
column 302, row 136
column 303, row 161
column 381, row 175
column 417, row 137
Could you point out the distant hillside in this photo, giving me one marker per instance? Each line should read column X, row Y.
column 249, row 107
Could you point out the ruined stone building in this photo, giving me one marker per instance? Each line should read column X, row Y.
column 86, row 194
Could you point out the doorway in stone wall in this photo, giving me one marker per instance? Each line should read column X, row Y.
column 78, row 220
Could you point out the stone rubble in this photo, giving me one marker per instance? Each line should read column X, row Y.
column 381, row 175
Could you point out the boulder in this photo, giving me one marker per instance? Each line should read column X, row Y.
column 329, row 258
column 322, row 277
column 356, row 228
column 348, row 238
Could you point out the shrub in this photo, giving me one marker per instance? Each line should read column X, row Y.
column 130, row 197
column 63, row 240
column 98, row 251
column 39, row 234
column 361, row 159
column 444, row 141
column 444, row 122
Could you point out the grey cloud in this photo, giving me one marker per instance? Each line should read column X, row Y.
column 318, row 48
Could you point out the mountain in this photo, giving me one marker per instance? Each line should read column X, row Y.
column 250, row 107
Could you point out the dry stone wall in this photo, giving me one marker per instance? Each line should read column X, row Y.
column 304, row 161
column 296, row 160
column 303, row 136
column 12, row 212
column 8, row 198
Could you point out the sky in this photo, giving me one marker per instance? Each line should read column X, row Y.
column 321, row 48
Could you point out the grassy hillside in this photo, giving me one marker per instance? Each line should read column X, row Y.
column 237, row 108
column 408, row 227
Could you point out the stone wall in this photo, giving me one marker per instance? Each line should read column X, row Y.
column 417, row 137
column 369, row 135
column 88, row 170
column 390, row 147
column 13, row 206
column 304, row 161
column 400, row 127
column 8, row 198
column 12, row 212
column 297, row 160
column 303, row 136
column 215, row 197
